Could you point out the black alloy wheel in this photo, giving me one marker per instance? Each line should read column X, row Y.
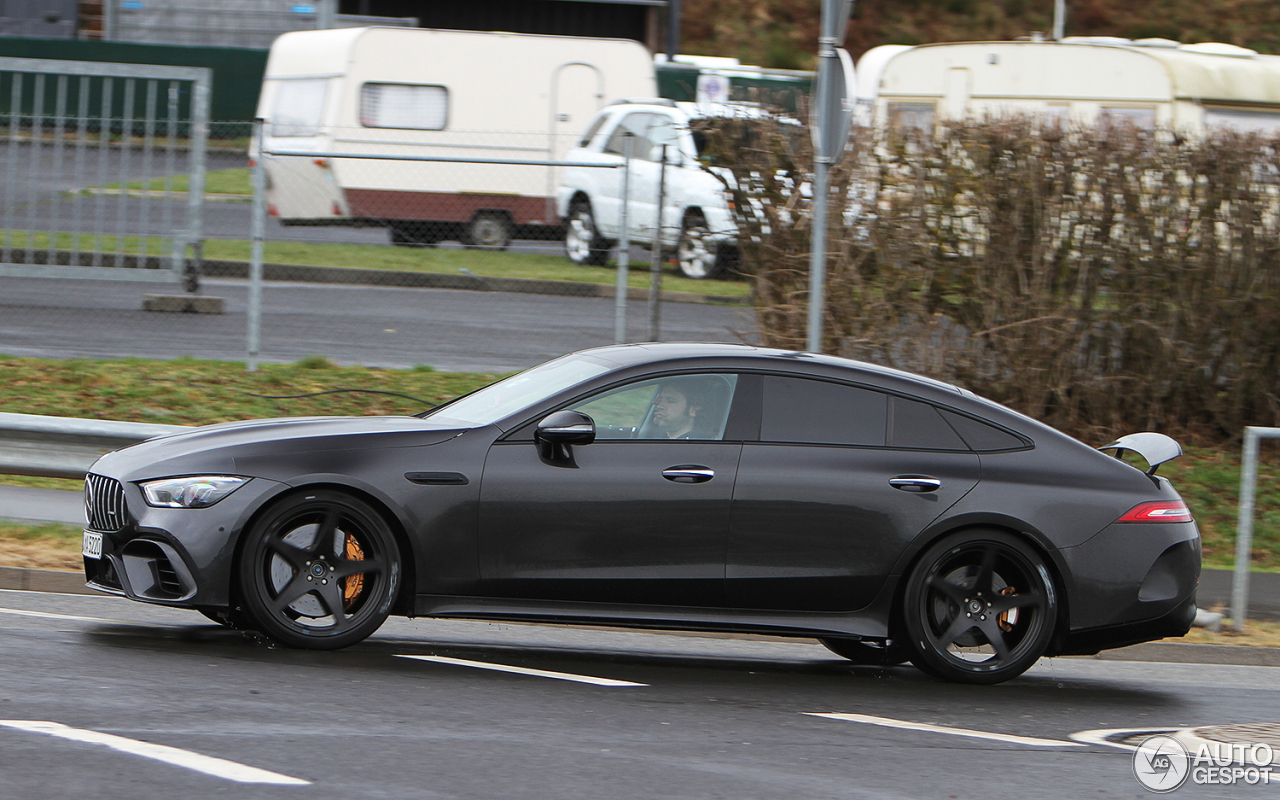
column 319, row 570
column 979, row 607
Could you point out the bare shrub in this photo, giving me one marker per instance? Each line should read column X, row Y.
column 1102, row 279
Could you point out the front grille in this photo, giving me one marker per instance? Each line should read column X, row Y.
column 104, row 503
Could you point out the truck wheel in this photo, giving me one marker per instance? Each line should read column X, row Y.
column 696, row 257
column 582, row 242
column 489, row 231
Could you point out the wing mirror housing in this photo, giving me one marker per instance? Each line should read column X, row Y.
column 556, row 432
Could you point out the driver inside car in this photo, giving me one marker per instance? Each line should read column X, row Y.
column 678, row 408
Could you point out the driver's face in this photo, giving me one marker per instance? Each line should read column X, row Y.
column 671, row 411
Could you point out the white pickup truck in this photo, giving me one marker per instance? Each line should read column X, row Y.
column 696, row 219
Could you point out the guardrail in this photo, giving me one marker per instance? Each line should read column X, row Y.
column 65, row 447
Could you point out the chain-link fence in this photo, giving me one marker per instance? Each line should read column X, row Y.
column 363, row 250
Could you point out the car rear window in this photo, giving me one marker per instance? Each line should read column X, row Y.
column 982, row 436
column 920, row 426
column 803, row 411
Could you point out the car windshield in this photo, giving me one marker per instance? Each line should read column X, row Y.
column 506, row 397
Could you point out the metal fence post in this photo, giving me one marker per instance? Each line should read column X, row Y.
column 655, row 262
column 1244, row 523
column 259, row 226
column 624, row 250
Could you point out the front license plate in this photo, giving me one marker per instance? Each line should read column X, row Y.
column 92, row 545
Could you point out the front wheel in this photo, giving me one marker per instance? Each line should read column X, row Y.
column 696, row 256
column 979, row 607
column 320, row 571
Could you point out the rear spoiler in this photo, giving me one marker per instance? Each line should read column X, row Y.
column 1156, row 448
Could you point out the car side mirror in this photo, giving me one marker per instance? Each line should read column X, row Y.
column 557, row 431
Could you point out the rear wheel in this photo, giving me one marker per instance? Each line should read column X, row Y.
column 319, row 571
column 489, row 230
column 979, row 607
column 583, row 244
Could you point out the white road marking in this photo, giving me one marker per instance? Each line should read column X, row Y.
column 46, row 615
column 50, row 615
column 537, row 673
column 1103, row 736
column 922, row 726
column 217, row 767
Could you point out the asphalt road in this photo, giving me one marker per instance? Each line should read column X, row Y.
column 391, row 327
column 709, row 717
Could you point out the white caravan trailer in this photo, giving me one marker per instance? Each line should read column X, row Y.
column 1150, row 82
column 452, row 95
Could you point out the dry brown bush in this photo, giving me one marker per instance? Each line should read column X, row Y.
column 1102, row 279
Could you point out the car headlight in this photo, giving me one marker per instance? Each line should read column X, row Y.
column 200, row 491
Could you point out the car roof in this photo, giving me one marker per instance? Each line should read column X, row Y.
column 654, row 352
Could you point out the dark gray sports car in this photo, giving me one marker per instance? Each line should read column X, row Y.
column 680, row 486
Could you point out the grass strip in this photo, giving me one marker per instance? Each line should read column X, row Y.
column 453, row 261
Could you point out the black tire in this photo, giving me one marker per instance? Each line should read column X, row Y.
column 696, row 257
column 319, row 571
column 583, row 244
column 488, row 230
column 979, row 607
column 878, row 654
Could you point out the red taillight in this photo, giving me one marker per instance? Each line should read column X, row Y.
column 1158, row 511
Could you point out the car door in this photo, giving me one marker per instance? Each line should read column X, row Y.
column 634, row 517
column 627, row 143
column 841, row 479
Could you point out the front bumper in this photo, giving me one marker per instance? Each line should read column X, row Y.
column 176, row 556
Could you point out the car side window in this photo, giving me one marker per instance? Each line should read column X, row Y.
column 674, row 407
column 803, row 411
column 662, row 131
column 630, row 135
column 920, row 426
column 984, row 437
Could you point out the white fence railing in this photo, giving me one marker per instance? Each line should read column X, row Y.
column 1244, row 524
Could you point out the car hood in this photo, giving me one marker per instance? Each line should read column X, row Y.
column 225, row 448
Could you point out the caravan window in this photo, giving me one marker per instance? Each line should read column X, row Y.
column 1141, row 117
column 397, row 105
column 1242, row 120
column 904, row 116
column 299, row 107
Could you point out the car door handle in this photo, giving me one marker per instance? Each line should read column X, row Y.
column 689, row 473
column 915, row 483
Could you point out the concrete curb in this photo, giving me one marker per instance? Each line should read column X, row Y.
column 65, row 582
column 438, row 280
